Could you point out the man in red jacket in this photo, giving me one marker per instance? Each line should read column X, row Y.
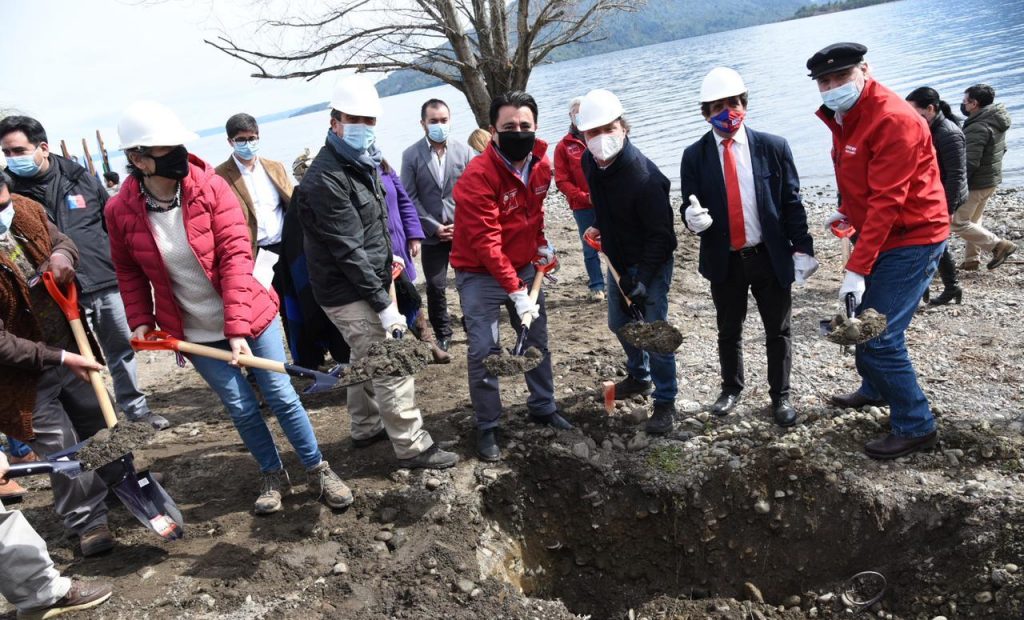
column 499, row 234
column 888, row 178
column 569, row 180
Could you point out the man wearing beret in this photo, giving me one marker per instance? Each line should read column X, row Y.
column 890, row 192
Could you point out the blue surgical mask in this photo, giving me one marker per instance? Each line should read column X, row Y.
column 24, row 166
column 247, row 150
column 359, row 136
column 841, row 98
column 438, row 132
column 6, row 217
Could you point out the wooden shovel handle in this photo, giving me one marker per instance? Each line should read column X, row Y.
column 249, row 361
column 538, row 281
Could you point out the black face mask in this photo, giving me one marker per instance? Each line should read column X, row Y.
column 963, row 110
column 173, row 165
column 516, row 145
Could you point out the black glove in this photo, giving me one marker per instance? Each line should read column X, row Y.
column 634, row 289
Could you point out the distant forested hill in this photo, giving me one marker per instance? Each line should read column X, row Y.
column 658, row 21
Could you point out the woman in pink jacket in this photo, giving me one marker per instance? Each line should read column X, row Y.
column 177, row 230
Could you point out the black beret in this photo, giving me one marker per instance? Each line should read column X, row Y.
column 835, row 57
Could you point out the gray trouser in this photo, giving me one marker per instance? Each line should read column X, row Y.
column 61, row 397
column 482, row 298
column 27, row 576
column 387, row 402
column 105, row 312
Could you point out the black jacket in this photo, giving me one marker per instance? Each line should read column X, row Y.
column 74, row 201
column 344, row 218
column 777, row 188
column 951, row 147
column 634, row 214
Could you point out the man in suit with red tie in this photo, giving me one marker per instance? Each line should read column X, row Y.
column 741, row 194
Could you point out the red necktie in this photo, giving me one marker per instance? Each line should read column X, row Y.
column 737, row 233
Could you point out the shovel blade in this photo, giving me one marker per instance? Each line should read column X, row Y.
column 322, row 381
column 825, row 327
column 520, row 347
column 143, row 496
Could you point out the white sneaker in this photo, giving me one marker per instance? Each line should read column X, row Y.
column 596, row 296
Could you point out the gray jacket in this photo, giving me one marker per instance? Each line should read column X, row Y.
column 951, row 148
column 433, row 201
column 985, row 131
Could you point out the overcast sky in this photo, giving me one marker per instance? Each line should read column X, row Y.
column 75, row 64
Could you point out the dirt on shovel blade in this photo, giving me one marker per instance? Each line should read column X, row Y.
column 390, row 358
column 505, row 365
column 658, row 337
column 112, row 443
column 870, row 324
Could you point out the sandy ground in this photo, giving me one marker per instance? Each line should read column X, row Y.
column 603, row 520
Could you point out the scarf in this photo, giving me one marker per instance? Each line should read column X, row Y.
column 367, row 160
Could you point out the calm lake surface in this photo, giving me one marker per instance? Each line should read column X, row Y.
column 948, row 45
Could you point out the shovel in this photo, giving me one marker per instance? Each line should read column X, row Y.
column 519, row 360
column 71, row 469
column 142, row 496
column 162, row 341
column 659, row 336
column 853, row 330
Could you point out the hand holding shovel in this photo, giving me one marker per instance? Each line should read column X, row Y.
column 520, row 359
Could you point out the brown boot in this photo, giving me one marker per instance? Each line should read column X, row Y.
column 426, row 334
column 11, row 490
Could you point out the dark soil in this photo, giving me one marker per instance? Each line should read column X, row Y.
column 658, row 337
column 389, row 358
column 846, row 331
column 112, row 443
column 505, row 365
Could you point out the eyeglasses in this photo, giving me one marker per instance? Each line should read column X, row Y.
column 251, row 140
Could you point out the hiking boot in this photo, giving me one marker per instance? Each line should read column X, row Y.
column 366, row 442
column 274, row 485
column 596, row 296
column 431, row 458
column 487, row 444
column 630, row 386
column 1001, row 252
column 426, row 334
column 96, row 541
column 158, row 422
column 328, row 485
column 969, row 265
column 81, row 595
column 553, row 419
column 661, row 422
column 11, row 490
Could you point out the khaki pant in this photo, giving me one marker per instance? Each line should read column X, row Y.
column 967, row 224
column 27, row 576
column 388, row 402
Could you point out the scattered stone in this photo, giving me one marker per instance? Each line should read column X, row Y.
column 1011, row 568
column 983, row 597
column 432, row 484
column 762, row 507
column 752, row 593
column 383, row 536
column 465, row 586
column 340, row 568
column 1000, row 577
column 581, row 450
column 791, row 601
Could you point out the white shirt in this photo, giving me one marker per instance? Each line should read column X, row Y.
column 437, row 162
column 745, row 174
column 266, row 202
column 202, row 309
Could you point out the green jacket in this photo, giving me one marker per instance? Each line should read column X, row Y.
column 985, row 131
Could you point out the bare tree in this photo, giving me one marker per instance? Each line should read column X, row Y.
column 481, row 47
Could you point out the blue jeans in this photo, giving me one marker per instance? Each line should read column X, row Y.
column 894, row 288
column 585, row 218
column 16, row 447
column 239, row 399
column 644, row 365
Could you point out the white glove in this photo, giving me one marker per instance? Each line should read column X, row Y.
column 697, row 217
column 392, row 319
column 395, row 258
column 524, row 305
column 546, row 254
column 804, row 266
column 835, row 217
column 852, row 283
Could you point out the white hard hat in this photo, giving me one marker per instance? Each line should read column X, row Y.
column 598, row 107
column 720, row 83
column 356, row 95
column 148, row 123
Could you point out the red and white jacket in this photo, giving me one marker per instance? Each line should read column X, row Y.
column 569, row 177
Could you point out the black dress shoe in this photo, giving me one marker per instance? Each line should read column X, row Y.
column 553, row 420
column 785, row 414
column 893, row 447
column 725, row 404
column 444, row 343
column 487, row 445
column 855, row 400
column 661, row 422
column 366, row 442
column 631, row 386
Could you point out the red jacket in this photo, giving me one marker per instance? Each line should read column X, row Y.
column 569, row 177
column 499, row 222
column 888, row 176
column 219, row 237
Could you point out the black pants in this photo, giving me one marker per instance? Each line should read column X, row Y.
column 774, row 302
column 434, row 258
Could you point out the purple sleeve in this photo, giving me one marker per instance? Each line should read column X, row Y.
column 407, row 210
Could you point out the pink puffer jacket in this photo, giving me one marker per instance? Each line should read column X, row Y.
column 219, row 237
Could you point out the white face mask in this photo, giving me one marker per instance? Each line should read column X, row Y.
column 605, row 146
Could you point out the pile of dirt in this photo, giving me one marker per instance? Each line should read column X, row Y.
column 505, row 365
column 855, row 330
column 112, row 443
column 657, row 337
column 399, row 357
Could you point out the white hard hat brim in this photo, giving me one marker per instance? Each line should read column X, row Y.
column 170, row 138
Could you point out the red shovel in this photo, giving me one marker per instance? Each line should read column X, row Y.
column 142, row 495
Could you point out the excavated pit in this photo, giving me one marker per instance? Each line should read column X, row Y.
column 607, row 543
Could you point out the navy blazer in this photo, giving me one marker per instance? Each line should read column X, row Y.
column 777, row 188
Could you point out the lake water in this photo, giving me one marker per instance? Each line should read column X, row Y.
column 946, row 44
